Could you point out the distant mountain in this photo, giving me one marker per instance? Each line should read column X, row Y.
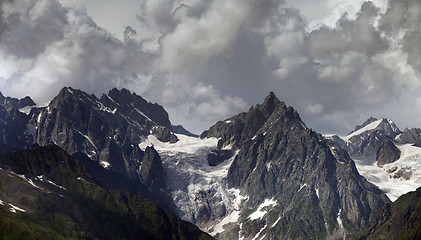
column 365, row 139
column 46, row 194
column 385, row 156
column 412, row 135
column 298, row 185
column 397, row 220
column 15, row 130
column 181, row 130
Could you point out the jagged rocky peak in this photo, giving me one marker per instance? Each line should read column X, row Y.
column 372, row 124
column 107, row 130
column 126, row 99
column 387, row 153
column 9, row 102
column 368, row 121
column 235, row 130
column 286, row 167
column 368, row 137
column 412, row 135
column 270, row 104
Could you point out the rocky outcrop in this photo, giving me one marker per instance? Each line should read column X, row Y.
column 412, row 135
column 15, row 130
column 218, row 156
column 315, row 186
column 151, row 170
column 387, row 153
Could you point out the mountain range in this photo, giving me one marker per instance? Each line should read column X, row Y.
column 261, row 174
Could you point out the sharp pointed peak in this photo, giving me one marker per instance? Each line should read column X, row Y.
column 271, row 97
column 270, row 104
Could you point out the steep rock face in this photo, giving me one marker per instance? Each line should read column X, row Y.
column 367, row 142
column 235, row 131
column 387, row 153
column 128, row 102
column 218, row 156
column 313, row 184
column 366, row 139
column 108, row 130
column 412, row 135
column 15, row 131
column 151, row 170
column 397, row 220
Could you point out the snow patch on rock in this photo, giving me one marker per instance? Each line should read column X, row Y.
column 397, row 178
column 259, row 213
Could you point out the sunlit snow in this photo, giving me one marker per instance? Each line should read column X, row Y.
column 259, row 213
column 14, row 208
column 105, row 164
column 260, row 232
column 370, row 126
column 339, row 220
column 189, row 175
column 387, row 177
column 56, row 185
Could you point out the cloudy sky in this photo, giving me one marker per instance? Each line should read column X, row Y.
column 337, row 62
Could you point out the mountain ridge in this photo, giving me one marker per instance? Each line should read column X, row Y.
column 268, row 174
column 282, row 160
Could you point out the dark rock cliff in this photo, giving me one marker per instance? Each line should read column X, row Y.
column 387, row 153
column 316, row 186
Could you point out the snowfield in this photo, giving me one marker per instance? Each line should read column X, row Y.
column 369, row 127
column 397, row 178
column 189, row 176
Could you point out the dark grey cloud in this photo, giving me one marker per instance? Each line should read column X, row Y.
column 207, row 60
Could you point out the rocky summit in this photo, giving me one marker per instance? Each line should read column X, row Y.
column 298, row 184
column 107, row 129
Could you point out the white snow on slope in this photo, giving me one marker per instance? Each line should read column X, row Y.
column 186, row 144
column 189, row 176
column 26, row 109
column 339, row 220
column 387, row 177
column 276, row 222
column 259, row 213
column 260, row 232
column 26, row 179
column 13, row 208
column 105, row 164
column 56, row 185
column 369, row 127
